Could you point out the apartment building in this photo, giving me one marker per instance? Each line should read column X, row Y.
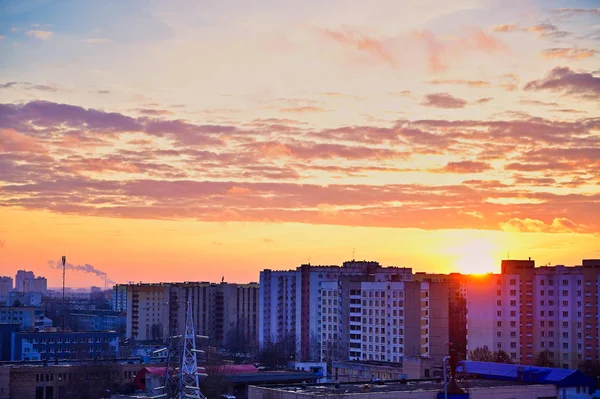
column 537, row 309
column 292, row 300
column 384, row 320
column 64, row 345
column 119, row 298
column 224, row 312
column 6, row 286
column 28, row 318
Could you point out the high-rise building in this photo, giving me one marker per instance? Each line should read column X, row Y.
column 23, row 280
column 383, row 320
column 40, row 284
column 6, row 285
column 227, row 313
column 323, row 305
column 526, row 310
column 119, row 298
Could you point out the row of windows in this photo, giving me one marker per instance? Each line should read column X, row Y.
column 66, row 340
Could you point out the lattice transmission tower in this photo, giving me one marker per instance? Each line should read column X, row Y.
column 182, row 372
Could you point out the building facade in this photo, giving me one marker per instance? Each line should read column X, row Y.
column 227, row 313
column 31, row 346
column 537, row 309
column 335, row 314
column 96, row 320
column 6, row 286
column 29, row 318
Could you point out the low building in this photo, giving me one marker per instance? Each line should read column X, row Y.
column 30, row 346
column 570, row 383
column 27, row 381
column 478, row 389
column 407, row 368
column 29, row 318
column 24, row 298
column 96, row 320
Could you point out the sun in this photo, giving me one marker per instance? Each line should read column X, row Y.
column 475, row 256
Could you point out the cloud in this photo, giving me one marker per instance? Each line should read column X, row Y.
column 2, row 243
column 443, row 100
column 13, row 141
column 359, row 41
column 469, row 83
column 28, row 86
column 564, row 79
column 39, row 34
column 483, row 100
column 577, row 11
column 538, row 102
column 465, row 167
column 165, row 168
column 543, row 30
column 268, row 240
column 568, row 53
column 558, row 225
column 509, row 82
column 305, row 109
column 96, row 40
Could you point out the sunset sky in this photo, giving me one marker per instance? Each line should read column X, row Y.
column 190, row 140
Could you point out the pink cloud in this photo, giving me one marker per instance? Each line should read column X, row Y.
column 558, row 225
column 361, row 42
column 39, row 34
column 443, row 100
column 465, row 167
column 568, row 53
column 568, row 81
column 13, row 141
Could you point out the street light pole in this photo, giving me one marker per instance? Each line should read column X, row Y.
column 64, row 261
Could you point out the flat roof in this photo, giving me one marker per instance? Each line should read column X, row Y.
column 392, row 386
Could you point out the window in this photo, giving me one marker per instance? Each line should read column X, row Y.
column 499, row 324
column 513, row 292
column 513, row 282
column 499, row 313
column 499, row 302
column 513, row 303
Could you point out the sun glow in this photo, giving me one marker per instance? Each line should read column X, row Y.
column 475, row 256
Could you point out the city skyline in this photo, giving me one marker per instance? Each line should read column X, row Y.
column 179, row 141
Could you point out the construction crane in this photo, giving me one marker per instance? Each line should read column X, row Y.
column 182, row 373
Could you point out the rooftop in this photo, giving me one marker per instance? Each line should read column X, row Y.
column 389, row 386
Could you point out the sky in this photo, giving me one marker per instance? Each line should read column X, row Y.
column 186, row 140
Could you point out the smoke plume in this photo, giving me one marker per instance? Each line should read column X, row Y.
column 87, row 268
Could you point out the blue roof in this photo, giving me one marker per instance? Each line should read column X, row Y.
column 531, row 374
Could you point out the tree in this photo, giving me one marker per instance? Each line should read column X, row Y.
column 484, row 354
column 481, row 354
column 501, row 356
column 213, row 385
column 590, row 368
column 543, row 359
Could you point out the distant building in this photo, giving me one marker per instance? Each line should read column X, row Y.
column 96, row 320
column 40, row 284
column 25, row 281
column 30, row 346
column 227, row 313
column 6, row 285
column 119, row 298
column 29, row 318
column 24, row 298
column 95, row 289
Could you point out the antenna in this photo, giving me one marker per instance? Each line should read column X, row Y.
column 353, row 252
column 64, row 261
column 508, row 255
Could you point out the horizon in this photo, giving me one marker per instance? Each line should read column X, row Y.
column 151, row 141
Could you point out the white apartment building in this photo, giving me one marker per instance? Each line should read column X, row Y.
column 386, row 321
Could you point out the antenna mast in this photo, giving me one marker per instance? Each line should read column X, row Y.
column 64, row 261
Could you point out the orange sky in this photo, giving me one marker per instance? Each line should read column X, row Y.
column 171, row 141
